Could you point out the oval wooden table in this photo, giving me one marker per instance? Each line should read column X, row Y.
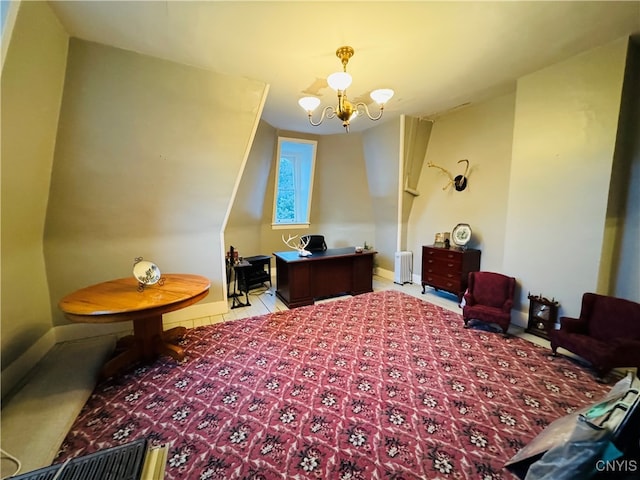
column 120, row 300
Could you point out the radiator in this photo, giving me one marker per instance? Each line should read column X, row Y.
column 403, row 269
column 122, row 462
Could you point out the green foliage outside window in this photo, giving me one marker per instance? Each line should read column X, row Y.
column 294, row 181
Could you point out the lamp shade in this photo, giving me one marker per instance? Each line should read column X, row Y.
column 339, row 80
column 382, row 95
column 309, row 104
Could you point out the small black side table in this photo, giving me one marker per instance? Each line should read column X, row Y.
column 260, row 271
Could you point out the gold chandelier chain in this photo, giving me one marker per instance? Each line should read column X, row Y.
column 344, row 54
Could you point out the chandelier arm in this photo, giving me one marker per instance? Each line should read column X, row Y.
column 329, row 112
column 364, row 108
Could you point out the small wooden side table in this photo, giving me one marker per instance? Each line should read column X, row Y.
column 543, row 315
column 120, row 300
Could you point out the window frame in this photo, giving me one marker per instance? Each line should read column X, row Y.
column 279, row 153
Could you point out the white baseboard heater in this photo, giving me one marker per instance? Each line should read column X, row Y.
column 403, row 268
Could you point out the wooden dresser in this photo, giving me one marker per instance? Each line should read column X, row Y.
column 448, row 268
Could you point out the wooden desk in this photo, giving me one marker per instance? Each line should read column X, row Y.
column 300, row 280
column 119, row 301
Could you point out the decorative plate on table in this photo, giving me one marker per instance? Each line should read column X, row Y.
column 461, row 234
column 147, row 273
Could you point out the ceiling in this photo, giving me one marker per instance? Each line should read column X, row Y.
column 437, row 56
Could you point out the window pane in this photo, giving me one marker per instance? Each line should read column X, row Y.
column 285, row 180
column 294, row 181
column 286, row 207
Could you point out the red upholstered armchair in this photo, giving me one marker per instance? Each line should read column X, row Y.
column 489, row 298
column 607, row 334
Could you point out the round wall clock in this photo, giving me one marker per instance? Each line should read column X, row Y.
column 461, row 234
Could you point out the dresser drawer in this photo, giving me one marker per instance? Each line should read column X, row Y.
column 442, row 265
column 442, row 253
column 448, row 269
column 449, row 284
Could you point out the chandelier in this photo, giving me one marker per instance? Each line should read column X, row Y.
column 345, row 110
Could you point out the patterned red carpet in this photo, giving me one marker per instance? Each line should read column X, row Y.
column 379, row 386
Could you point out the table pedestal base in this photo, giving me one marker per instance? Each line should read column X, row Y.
column 147, row 343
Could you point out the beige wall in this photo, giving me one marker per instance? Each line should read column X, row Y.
column 341, row 210
column 417, row 133
column 147, row 157
column 566, row 119
column 32, row 83
column 383, row 150
column 482, row 134
column 340, row 207
column 246, row 218
column 620, row 266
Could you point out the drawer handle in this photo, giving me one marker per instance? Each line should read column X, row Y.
column 449, row 264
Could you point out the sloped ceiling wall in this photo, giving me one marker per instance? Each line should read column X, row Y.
column 32, row 83
column 147, row 157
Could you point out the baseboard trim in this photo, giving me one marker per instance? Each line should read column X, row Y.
column 13, row 373
column 386, row 274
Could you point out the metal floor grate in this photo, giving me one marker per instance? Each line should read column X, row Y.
column 124, row 462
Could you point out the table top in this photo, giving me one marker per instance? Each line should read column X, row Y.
column 120, row 300
column 258, row 258
column 292, row 255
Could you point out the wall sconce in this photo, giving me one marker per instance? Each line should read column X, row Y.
column 345, row 110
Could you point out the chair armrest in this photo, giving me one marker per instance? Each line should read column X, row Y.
column 468, row 298
column 573, row 325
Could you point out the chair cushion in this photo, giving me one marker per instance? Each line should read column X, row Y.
column 612, row 317
column 490, row 289
column 487, row 314
column 595, row 351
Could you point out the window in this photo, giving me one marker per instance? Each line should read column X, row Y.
column 294, row 181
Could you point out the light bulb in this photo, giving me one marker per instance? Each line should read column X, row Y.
column 382, row 95
column 309, row 104
column 339, row 80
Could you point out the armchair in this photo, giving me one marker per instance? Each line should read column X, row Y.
column 489, row 299
column 607, row 333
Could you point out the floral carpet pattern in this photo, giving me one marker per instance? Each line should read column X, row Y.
column 379, row 386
